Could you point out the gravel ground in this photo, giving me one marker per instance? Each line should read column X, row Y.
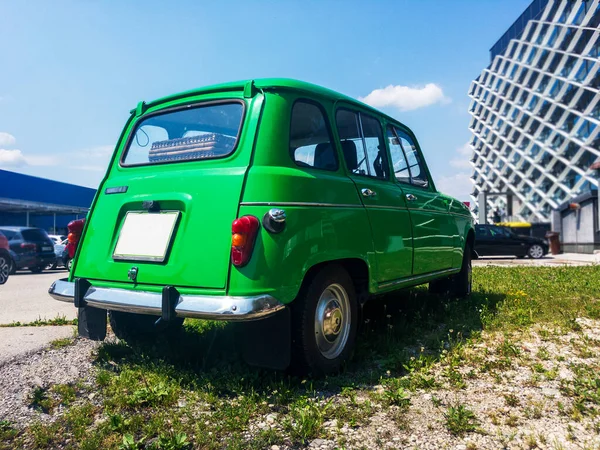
column 540, row 414
column 42, row 369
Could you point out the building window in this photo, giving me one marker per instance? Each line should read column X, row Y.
column 585, row 130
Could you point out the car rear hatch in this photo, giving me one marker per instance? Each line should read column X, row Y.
column 169, row 200
column 38, row 241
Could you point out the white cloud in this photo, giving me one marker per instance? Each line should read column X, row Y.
column 16, row 158
column 458, row 185
column 462, row 162
column 12, row 158
column 6, row 139
column 406, row 98
column 93, row 159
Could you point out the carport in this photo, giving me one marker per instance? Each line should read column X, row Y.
column 28, row 208
column 48, row 204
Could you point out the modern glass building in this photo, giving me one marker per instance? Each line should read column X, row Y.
column 536, row 111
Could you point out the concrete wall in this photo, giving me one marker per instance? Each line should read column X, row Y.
column 579, row 229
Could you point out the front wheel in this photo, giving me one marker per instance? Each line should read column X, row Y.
column 462, row 282
column 324, row 322
column 536, row 251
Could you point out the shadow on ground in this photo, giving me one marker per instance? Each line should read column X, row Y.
column 394, row 328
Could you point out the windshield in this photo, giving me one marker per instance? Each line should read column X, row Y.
column 201, row 132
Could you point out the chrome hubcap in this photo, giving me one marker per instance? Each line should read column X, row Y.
column 536, row 251
column 332, row 321
column 4, row 269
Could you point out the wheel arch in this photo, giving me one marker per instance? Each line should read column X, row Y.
column 357, row 268
column 470, row 240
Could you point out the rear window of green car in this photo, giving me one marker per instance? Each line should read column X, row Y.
column 190, row 133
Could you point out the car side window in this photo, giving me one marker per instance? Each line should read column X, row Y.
column 376, row 151
column 363, row 146
column 353, row 149
column 481, row 232
column 399, row 163
column 498, row 232
column 418, row 174
column 9, row 235
column 310, row 138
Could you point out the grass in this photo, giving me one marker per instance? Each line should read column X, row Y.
column 460, row 420
column 193, row 391
column 39, row 322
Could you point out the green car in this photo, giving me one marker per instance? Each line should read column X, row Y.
column 274, row 202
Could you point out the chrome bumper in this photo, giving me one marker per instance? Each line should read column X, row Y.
column 143, row 302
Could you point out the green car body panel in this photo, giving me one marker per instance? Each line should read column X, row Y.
column 395, row 243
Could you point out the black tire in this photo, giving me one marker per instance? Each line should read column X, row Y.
column 5, row 265
column 324, row 322
column 36, row 269
column 69, row 264
column 52, row 266
column 462, row 282
column 131, row 326
column 13, row 267
column 536, row 251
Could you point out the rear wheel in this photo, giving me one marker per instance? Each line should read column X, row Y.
column 536, row 251
column 69, row 264
column 5, row 265
column 462, row 282
column 136, row 326
column 13, row 267
column 324, row 322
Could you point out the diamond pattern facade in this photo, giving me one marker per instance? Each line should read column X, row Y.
column 536, row 111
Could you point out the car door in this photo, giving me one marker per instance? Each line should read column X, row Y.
column 365, row 155
column 509, row 243
column 483, row 241
column 434, row 230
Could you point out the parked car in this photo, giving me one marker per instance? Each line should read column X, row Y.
column 57, row 238
column 29, row 247
column 4, row 259
column 275, row 200
column 59, row 252
column 492, row 240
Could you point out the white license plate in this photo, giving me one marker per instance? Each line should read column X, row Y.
column 46, row 249
column 146, row 236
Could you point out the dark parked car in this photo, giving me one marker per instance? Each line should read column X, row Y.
column 4, row 259
column 29, row 247
column 492, row 240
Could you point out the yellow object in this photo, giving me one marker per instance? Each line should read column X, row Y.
column 514, row 224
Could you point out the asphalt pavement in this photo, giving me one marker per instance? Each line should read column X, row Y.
column 24, row 298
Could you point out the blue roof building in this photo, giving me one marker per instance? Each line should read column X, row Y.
column 38, row 202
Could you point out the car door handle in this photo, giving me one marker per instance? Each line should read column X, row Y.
column 411, row 197
column 366, row 192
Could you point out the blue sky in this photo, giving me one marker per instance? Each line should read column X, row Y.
column 70, row 71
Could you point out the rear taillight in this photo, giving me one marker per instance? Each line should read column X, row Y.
column 28, row 245
column 73, row 238
column 243, row 235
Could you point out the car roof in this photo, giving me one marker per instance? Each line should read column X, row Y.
column 270, row 84
column 17, row 228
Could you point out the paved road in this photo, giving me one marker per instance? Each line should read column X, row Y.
column 566, row 259
column 17, row 341
column 24, row 298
